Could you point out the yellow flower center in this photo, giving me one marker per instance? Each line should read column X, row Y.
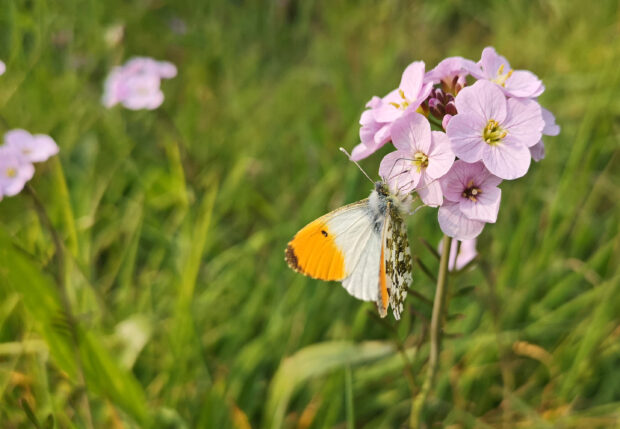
column 472, row 192
column 11, row 172
column 502, row 77
column 493, row 133
column 402, row 105
column 420, row 160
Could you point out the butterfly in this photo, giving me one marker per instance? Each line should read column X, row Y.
column 363, row 245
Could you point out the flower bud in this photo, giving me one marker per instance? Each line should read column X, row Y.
column 451, row 108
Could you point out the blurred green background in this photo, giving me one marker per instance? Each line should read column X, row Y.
column 173, row 222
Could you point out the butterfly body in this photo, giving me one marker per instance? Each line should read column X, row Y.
column 364, row 245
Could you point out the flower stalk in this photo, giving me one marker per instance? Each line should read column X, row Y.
column 65, row 301
column 418, row 403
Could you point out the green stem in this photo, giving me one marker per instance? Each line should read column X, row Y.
column 66, row 303
column 419, row 402
column 435, row 122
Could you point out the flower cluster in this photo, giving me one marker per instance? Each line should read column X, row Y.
column 136, row 84
column 19, row 151
column 2, row 68
column 489, row 126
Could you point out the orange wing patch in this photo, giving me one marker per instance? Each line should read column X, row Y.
column 314, row 252
column 382, row 304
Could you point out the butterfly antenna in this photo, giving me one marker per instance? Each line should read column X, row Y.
column 358, row 166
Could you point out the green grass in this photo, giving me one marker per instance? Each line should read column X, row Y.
column 174, row 222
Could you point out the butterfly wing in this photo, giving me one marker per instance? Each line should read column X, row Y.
column 343, row 245
column 395, row 264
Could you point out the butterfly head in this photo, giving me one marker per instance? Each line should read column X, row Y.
column 382, row 188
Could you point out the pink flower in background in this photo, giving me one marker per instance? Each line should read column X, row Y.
column 514, row 83
column 2, row 68
column 19, row 151
column 15, row 171
column 550, row 129
column 376, row 122
column 466, row 253
column 33, row 148
column 422, row 157
column 471, row 199
column 136, row 85
column 149, row 66
column 494, row 129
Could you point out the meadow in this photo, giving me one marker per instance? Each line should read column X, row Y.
column 162, row 298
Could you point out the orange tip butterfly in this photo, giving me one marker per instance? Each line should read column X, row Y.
column 363, row 245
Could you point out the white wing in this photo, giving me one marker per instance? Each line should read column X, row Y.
column 362, row 282
column 357, row 236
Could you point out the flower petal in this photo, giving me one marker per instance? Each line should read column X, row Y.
column 538, row 151
column 524, row 122
column 45, row 148
column 491, row 62
column 450, row 67
column 17, row 137
column 458, row 178
column 387, row 112
column 465, row 133
column 551, row 128
column 485, row 208
column 429, row 191
column 455, row 224
column 445, row 121
column 166, row 69
column 507, row 161
column 411, row 133
column 523, row 84
column 398, row 172
column 412, row 79
column 440, row 156
column 484, row 99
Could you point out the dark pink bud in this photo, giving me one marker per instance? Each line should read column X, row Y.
column 436, row 108
column 451, row 108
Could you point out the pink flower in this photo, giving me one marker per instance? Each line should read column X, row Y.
column 514, row 83
column 451, row 73
column 466, row 253
column 15, row 171
column 2, row 68
column 376, row 122
column 550, row 129
column 471, row 199
column 136, row 85
column 33, row 148
column 422, row 157
column 494, row 129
